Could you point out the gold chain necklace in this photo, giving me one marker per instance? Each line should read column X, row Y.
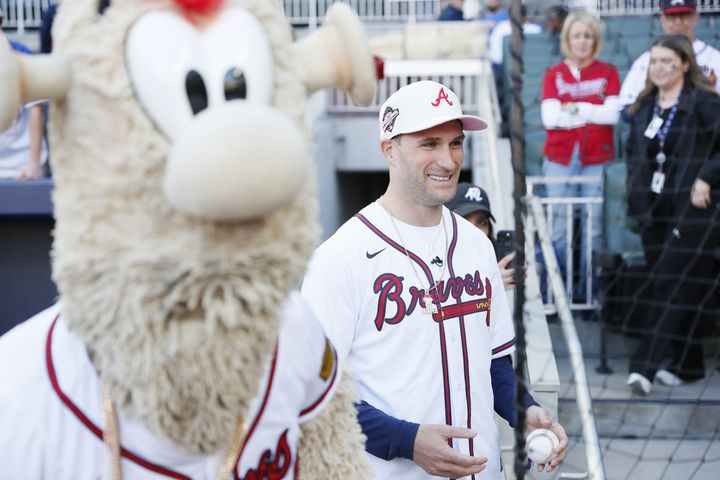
column 112, row 440
column 429, row 307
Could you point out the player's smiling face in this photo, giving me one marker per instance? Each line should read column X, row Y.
column 426, row 164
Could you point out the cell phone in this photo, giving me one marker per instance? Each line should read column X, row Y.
column 504, row 243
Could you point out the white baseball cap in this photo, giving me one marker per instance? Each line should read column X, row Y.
column 422, row 105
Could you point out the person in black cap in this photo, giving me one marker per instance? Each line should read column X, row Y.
column 677, row 17
column 473, row 204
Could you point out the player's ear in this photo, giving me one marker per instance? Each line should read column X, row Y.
column 388, row 149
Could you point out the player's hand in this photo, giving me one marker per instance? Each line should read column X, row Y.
column 700, row 194
column 537, row 417
column 434, row 455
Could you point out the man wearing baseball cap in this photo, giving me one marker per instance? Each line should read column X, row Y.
column 677, row 17
column 473, row 204
column 405, row 291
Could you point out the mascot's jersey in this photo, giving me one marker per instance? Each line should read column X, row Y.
column 45, row 369
column 417, row 366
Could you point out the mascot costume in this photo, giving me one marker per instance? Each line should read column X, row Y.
column 185, row 213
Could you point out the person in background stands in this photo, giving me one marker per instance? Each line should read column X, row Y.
column 495, row 13
column 453, row 11
column 473, row 204
column 495, row 42
column 676, row 17
column 673, row 182
column 23, row 149
column 579, row 108
column 555, row 18
column 46, row 23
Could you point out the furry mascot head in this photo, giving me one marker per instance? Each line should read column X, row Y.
column 184, row 196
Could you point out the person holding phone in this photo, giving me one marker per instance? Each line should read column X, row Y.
column 473, row 204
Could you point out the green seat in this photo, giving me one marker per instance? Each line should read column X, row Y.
column 534, row 146
column 530, row 96
column 621, row 24
column 618, row 237
column 532, row 118
column 634, row 44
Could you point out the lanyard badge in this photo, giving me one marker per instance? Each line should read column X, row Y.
column 659, row 128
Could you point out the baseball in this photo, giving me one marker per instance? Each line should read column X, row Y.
column 541, row 445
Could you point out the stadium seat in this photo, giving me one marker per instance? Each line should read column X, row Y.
column 532, row 118
column 623, row 24
column 530, row 96
column 618, row 237
column 534, row 146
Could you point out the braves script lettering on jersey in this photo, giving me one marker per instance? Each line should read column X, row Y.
column 45, row 368
column 417, row 366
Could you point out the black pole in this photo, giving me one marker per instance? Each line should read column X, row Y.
column 517, row 139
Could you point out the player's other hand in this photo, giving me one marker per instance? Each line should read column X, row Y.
column 434, row 455
column 537, row 417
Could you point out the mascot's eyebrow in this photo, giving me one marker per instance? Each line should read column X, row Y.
column 102, row 5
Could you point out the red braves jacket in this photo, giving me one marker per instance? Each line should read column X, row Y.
column 597, row 82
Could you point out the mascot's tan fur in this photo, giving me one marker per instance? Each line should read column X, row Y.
column 178, row 312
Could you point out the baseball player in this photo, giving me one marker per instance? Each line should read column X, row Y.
column 676, row 17
column 46, row 369
column 411, row 296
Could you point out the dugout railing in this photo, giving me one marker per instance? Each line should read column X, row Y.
column 576, row 211
column 22, row 14
column 538, row 225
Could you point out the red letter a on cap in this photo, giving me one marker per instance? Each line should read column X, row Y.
column 441, row 96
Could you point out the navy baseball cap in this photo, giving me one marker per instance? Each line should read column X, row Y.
column 468, row 199
column 678, row 6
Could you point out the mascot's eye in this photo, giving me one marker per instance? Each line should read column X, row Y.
column 196, row 92
column 235, row 84
column 178, row 69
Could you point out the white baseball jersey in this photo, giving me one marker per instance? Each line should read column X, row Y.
column 708, row 59
column 417, row 366
column 51, row 424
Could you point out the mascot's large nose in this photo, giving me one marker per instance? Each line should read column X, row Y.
column 237, row 161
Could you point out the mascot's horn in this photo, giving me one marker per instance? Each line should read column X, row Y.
column 25, row 78
column 337, row 55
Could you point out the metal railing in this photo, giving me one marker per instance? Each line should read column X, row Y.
column 22, row 14
column 645, row 7
column 593, row 451
column 571, row 205
column 460, row 75
column 309, row 12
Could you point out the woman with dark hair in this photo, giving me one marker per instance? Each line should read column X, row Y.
column 673, row 160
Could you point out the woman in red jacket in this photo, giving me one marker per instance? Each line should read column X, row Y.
column 579, row 108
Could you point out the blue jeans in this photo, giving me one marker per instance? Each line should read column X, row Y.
column 559, row 213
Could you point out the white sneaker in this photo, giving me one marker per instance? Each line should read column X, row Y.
column 639, row 383
column 668, row 378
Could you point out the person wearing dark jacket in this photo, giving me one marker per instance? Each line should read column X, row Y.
column 673, row 160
